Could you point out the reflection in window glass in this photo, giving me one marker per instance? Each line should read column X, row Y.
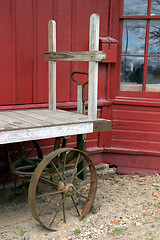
column 135, row 7
column 153, row 74
column 132, row 73
column 155, row 7
column 154, row 37
column 134, row 37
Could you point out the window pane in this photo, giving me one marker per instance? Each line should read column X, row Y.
column 132, row 73
column 153, row 74
column 154, row 37
column 135, row 7
column 134, row 37
column 155, row 7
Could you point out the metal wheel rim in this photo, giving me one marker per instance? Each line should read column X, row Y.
column 39, row 170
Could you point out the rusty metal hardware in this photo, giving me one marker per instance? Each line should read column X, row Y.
column 82, row 73
column 101, row 125
column 81, row 138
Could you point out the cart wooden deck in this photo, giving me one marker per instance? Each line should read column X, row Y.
column 26, row 125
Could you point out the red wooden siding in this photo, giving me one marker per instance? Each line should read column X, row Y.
column 23, row 37
column 136, row 128
column 24, row 24
column 23, row 45
column 5, row 53
column 42, row 13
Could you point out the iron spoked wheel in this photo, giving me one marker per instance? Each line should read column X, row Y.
column 53, row 195
column 27, row 163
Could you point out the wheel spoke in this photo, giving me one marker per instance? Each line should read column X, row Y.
column 48, row 194
column 48, row 181
column 79, row 172
column 57, row 172
column 30, row 151
column 75, row 206
column 64, row 166
column 80, row 195
column 74, row 170
column 53, row 219
column 63, row 205
column 45, row 205
column 82, row 185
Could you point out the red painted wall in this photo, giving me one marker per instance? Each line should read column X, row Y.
column 24, row 30
column 134, row 144
column 24, row 76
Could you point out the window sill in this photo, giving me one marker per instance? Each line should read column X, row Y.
column 138, row 87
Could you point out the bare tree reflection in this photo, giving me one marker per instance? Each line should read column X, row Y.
column 154, row 37
column 155, row 7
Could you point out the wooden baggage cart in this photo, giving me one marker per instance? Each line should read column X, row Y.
column 61, row 174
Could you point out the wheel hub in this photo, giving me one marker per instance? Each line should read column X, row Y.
column 67, row 188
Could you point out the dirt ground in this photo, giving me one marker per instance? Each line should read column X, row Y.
column 126, row 207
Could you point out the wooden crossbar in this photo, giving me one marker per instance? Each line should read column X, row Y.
column 90, row 56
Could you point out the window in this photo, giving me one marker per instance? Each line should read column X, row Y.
column 140, row 60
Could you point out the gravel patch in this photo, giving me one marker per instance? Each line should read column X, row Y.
column 126, row 207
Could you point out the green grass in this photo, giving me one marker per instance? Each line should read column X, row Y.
column 99, row 215
column 22, row 231
column 4, row 232
column 118, row 230
column 77, row 231
column 143, row 193
column 157, row 205
column 147, row 234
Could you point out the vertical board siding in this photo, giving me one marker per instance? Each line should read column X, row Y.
column 5, row 53
column 24, row 68
column 24, row 37
column 42, row 14
column 102, row 8
column 81, row 11
column 62, row 16
column 136, row 128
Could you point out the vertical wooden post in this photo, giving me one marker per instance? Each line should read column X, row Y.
column 52, row 65
column 93, row 67
column 80, row 99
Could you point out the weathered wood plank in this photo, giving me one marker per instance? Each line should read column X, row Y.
column 91, row 56
column 26, row 125
column 19, row 135
column 6, row 126
column 7, row 118
column 55, row 117
column 74, row 114
column 17, row 120
column 66, row 116
column 93, row 67
column 44, row 132
column 52, row 65
column 58, row 117
column 40, row 119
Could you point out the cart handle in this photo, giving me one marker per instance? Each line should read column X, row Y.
column 84, row 73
